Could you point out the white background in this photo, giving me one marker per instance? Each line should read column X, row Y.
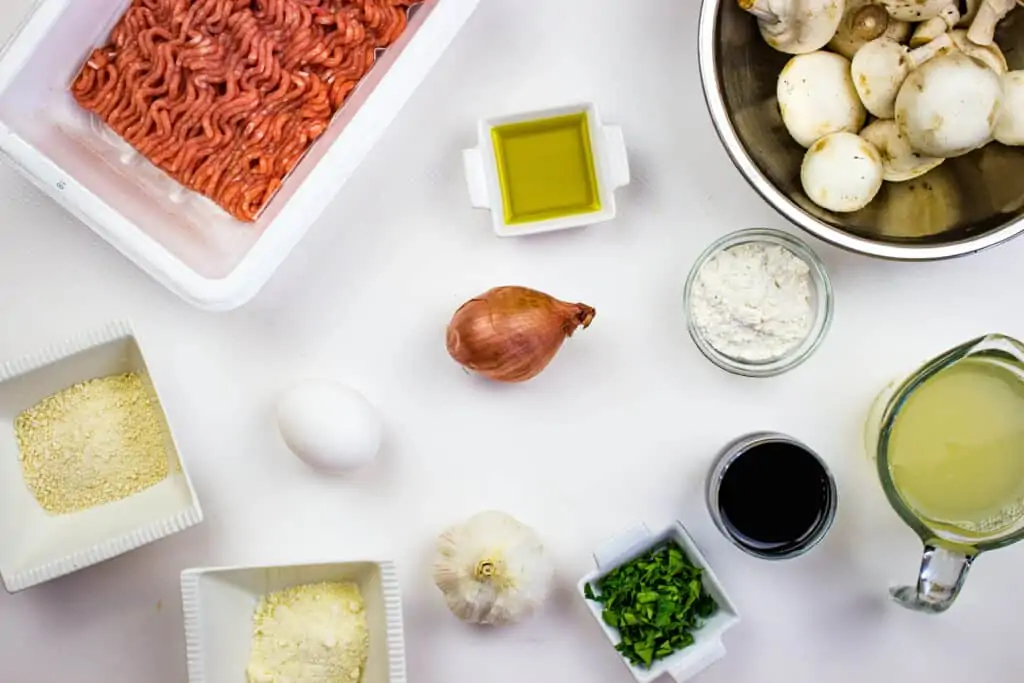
column 621, row 427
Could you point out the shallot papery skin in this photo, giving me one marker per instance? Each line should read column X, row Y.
column 510, row 334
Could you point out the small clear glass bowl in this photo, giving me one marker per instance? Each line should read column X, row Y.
column 823, row 305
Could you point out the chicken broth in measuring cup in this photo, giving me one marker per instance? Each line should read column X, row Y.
column 948, row 444
column 956, row 447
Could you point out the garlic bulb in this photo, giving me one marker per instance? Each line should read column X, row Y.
column 492, row 569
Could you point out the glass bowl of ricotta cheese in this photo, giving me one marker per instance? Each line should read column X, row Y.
column 758, row 302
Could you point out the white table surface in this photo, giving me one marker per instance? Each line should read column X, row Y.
column 621, row 427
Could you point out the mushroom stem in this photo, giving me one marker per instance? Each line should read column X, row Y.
column 933, row 48
column 991, row 12
column 936, row 26
column 760, row 9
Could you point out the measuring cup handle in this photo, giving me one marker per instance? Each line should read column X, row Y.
column 942, row 575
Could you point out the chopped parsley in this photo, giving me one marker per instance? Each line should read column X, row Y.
column 656, row 602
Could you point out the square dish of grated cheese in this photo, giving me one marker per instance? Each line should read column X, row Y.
column 89, row 468
column 329, row 622
column 313, row 633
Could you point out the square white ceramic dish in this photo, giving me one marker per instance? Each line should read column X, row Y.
column 707, row 647
column 36, row 546
column 219, row 604
column 610, row 160
column 181, row 239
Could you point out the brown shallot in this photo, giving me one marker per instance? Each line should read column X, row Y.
column 510, row 334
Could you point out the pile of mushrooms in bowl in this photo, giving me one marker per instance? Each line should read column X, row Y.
column 891, row 127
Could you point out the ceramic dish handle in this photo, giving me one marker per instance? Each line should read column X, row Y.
column 623, row 546
column 618, row 160
column 476, row 178
column 692, row 667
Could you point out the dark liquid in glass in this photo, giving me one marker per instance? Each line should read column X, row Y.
column 774, row 497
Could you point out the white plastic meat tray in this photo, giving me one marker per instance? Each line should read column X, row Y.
column 182, row 240
column 36, row 546
column 219, row 604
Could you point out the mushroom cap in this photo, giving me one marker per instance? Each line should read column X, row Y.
column 899, row 161
column 841, row 172
column 816, row 97
column 1009, row 128
column 863, row 21
column 915, row 10
column 949, row 105
column 989, row 55
column 878, row 70
column 807, row 26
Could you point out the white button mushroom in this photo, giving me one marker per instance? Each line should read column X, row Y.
column 841, row 172
column 816, row 97
column 931, row 29
column 899, row 161
column 991, row 12
column 796, row 26
column 880, row 67
column 990, row 55
column 949, row 105
column 1010, row 124
column 915, row 10
column 862, row 22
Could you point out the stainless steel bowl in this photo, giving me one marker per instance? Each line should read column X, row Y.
column 964, row 205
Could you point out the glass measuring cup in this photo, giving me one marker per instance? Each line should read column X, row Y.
column 949, row 547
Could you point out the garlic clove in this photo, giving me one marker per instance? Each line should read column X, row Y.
column 816, row 97
column 899, row 161
column 841, row 172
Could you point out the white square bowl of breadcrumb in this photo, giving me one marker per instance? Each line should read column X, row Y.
column 257, row 624
column 88, row 465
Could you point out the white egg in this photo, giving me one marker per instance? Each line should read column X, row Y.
column 329, row 425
